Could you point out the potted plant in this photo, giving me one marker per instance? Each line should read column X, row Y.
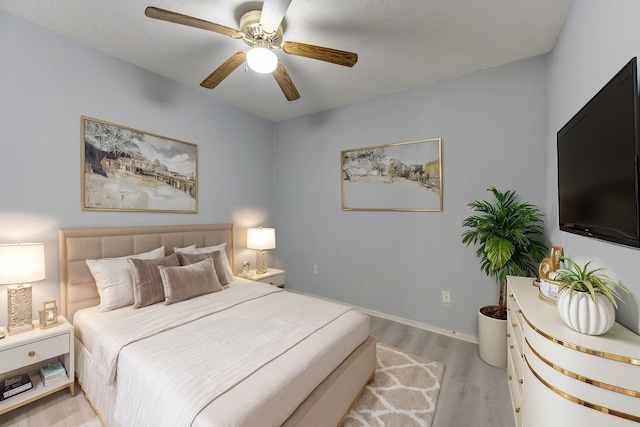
column 508, row 235
column 587, row 298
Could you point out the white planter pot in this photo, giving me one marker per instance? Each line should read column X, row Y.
column 492, row 339
column 581, row 314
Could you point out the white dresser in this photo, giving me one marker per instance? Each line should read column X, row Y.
column 559, row 377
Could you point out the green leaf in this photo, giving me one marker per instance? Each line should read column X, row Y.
column 499, row 251
column 508, row 236
column 575, row 278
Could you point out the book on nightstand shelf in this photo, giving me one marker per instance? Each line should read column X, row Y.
column 16, row 385
column 51, row 372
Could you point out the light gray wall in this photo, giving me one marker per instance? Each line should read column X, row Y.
column 597, row 39
column 493, row 126
column 498, row 128
column 48, row 82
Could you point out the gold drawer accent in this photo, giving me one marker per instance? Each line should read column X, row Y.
column 575, row 376
column 604, row 355
column 581, row 402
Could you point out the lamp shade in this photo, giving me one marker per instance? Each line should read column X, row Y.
column 261, row 238
column 21, row 263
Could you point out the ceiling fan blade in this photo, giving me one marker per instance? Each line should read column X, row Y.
column 340, row 57
column 224, row 70
column 272, row 14
column 190, row 21
column 285, row 83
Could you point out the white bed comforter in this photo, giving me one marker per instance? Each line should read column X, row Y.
column 172, row 364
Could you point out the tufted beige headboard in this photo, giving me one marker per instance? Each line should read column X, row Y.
column 77, row 287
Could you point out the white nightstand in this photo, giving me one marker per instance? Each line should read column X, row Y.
column 273, row 276
column 28, row 351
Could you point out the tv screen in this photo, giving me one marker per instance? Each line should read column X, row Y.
column 598, row 164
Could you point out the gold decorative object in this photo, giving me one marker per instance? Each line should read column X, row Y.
column 546, row 267
column 48, row 314
column 556, row 254
column 548, row 291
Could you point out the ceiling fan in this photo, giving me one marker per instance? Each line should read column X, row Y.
column 262, row 32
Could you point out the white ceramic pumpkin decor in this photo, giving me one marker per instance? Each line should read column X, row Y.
column 581, row 314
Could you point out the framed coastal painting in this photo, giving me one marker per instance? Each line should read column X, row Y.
column 403, row 176
column 126, row 169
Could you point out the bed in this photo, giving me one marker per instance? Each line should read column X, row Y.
column 310, row 374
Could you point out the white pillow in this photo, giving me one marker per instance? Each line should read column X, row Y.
column 186, row 250
column 114, row 278
column 223, row 255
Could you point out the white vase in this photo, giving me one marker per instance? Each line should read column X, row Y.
column 492, row 341
column 581, row 314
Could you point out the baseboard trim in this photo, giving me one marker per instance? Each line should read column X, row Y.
column 419, row 325
column 409, row 322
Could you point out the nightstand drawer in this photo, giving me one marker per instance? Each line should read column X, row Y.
column 277, row 280
column 34, row 352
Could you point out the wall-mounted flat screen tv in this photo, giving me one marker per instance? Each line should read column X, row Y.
column 598, row 149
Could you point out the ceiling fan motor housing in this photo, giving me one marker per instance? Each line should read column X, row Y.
column 254, row 35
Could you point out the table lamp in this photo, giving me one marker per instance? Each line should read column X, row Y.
column 20, row 264
column 261, row 239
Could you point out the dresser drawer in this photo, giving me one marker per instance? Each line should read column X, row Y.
column 518, row 334
column 33, row 352
column 514, row 308
column 517, row 365
column 516, row 401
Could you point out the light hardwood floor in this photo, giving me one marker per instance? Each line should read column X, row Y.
column 56, row 410
column 473, row 393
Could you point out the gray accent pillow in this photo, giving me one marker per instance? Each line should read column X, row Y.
column 147, row 283
column 186, row 259
column 189, row 281
column 223, row 255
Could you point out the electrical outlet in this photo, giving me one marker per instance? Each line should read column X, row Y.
column 446, row 297
column 315, row 269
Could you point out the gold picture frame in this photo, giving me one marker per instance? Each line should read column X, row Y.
column 403, row 176
column 48, row 316
column 125, row 169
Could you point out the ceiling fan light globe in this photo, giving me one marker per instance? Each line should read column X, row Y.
column 262, row 60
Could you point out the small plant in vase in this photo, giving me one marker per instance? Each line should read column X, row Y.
column 587, row 298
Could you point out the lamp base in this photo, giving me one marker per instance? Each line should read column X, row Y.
column 262, row 260
column 19, row 309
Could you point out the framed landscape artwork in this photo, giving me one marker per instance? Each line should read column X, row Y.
column 403, row 176
column 125, row 169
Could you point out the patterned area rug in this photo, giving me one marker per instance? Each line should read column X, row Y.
column 404, row 392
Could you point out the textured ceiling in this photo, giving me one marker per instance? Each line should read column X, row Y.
column 401, row 44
